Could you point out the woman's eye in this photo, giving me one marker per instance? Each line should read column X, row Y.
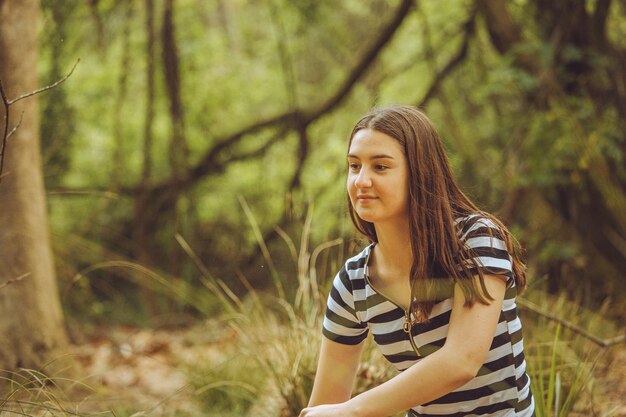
column 353, row 166
column 380, row 167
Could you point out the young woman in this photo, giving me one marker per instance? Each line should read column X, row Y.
column 436, row 287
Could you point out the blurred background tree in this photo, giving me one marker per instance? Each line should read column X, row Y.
column 182, row 111
column 32, row 326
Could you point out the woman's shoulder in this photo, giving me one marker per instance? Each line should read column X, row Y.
column 359, row 261
column 352, row 273
column 477, row 224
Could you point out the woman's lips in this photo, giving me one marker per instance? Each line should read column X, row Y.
column 365, row 198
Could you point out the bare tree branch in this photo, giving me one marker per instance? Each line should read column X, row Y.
column 11, row 281
column 528, row 305
column 48, row 87
column 86, row 192
column 386, row 34
column 303, row 152
column 458, row 58
column 5, row 135
column 19, row 123
column 204, row 167
column 6, row 102
column 296, row 118
column 279, row 136
column 504, row 32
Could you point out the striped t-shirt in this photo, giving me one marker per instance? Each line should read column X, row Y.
column 501, row 387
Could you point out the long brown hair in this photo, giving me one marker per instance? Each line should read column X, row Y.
column 435, row 201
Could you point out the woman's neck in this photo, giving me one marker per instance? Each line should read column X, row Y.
column 393, row 251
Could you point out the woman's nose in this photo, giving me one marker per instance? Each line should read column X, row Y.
column 363, row 179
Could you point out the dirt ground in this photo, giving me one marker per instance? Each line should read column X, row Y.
column 141, row 372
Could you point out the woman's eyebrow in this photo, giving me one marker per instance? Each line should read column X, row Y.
column 379, row 156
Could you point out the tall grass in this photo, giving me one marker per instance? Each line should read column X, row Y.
column 559, row 375
column 28, row 392
column 561, row 363
column 268, row 366
column 271, row 369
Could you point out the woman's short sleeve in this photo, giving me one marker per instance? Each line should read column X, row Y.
column 341, row 323
column 486, row 244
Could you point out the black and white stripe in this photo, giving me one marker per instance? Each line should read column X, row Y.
column 501, row 387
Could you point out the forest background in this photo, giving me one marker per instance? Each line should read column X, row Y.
column 187, row 196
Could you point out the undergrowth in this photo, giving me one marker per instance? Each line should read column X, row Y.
column 268, row 368
column 28, row 392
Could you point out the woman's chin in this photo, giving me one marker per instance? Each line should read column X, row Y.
column 367, row 217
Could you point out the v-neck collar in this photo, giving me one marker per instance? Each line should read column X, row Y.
column 369, row 250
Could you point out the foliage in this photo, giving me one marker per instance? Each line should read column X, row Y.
column 270, row 370
column 264, row 363
column 533, row 127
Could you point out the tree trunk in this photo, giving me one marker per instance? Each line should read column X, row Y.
column 179, row 151
column 142, row 228
column 120, row 162
column 31, row 327
column 178, row 148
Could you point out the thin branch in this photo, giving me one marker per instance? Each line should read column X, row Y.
column 14, row 280
column 5, row 135
column 303, row 152
column 217, row 167
column 505, row 34
column 573, row 327
column 280, row 135
column 205, row 167
column 19, row 122
column 213, row 164
column 83, row 192
column 48, row 87
column 7, row 104
column 295, row 118
column 386, row 35
column 458, row 58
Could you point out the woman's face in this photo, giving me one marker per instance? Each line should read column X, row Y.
column 377, row 177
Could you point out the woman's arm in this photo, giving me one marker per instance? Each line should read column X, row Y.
column 336, row 370
column 470, row 335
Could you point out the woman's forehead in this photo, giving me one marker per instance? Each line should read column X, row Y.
column 369, row 142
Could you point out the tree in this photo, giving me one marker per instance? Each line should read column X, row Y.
column 578, row 72
column 528, row 95
column 32, row 322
